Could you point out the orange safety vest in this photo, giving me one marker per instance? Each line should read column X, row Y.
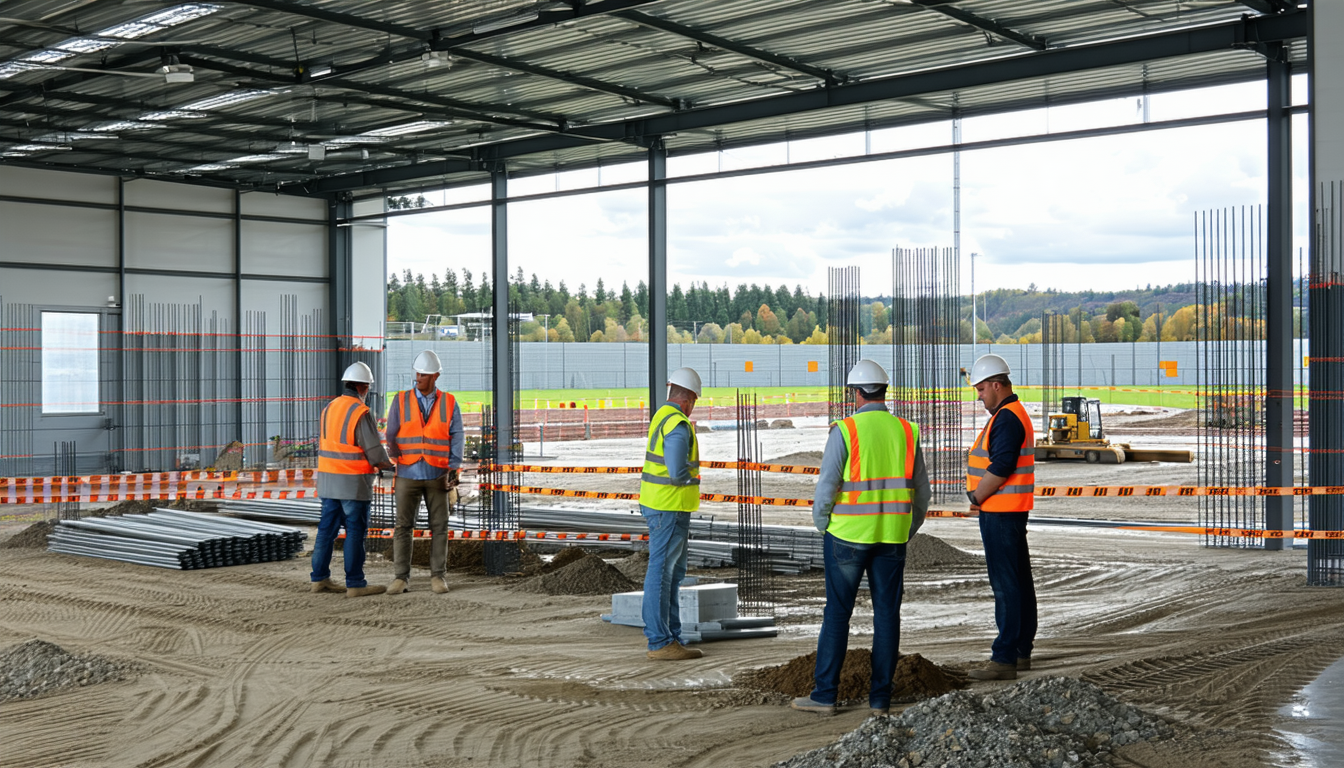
column 337, row 453
column 1017, row 494
column 420, row 438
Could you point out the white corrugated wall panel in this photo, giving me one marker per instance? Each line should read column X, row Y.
column 58, row 234
column 276, row 248
column 194, row 243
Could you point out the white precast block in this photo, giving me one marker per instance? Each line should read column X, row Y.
column 699, row 603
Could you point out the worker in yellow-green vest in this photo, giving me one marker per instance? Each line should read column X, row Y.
column 669, row 491
column 872, row 494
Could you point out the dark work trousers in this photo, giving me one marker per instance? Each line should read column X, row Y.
column 1004, row 535
column 409, row 493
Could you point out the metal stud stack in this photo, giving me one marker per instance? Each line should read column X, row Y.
column 171, row 538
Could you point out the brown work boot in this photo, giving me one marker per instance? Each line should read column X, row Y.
column 995, row 671
column 1024, row 665
column 438, row 585
column 397, row 587
column 325, row 585
column 364, row 591
column 675, row 652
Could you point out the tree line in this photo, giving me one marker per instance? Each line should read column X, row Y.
column 755, row 314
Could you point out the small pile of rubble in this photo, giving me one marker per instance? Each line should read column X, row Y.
column 916, row 677
column 588, row 574
column 1045, row 723
column 37, row 667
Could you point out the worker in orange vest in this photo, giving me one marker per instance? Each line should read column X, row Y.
column 348, row 455
column 425, row 436
column 1001, row 486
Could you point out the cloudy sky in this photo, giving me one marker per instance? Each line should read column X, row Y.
column 1106, row 213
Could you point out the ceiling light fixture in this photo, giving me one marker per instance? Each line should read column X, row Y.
column 175, row 72
column 436, row 58
column 320, row 70
column 415, row 127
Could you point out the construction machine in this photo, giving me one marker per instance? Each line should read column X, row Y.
column 1077, row 433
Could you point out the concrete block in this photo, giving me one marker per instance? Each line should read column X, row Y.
column 700, row 603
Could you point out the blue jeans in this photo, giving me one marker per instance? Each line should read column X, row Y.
column 354, row 517
column 668, row 534
column 1004, row 535
column 845, row 564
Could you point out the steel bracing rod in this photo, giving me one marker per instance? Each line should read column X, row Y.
column 1056, row 61
column 949, row 9
column 826, row 75
column 456, row 46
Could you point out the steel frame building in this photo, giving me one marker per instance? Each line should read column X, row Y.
column 241, row 149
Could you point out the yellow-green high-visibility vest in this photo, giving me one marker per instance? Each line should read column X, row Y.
column 657, row 489
column 873, row 504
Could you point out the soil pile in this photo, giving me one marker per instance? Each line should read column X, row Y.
column 925, row 552
column 633, row 567
column 468, row 556
column 37, row 667
column 564, row 557
column 1044, row 723
column 588, row 575
column 800, row 459
column 144, row 507
column 32, row 537
column 916, row 677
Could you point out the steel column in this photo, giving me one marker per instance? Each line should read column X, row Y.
column 657, row 274
column 1279, row 294
column 339, row 290
column 499, row 323
column 238, row 309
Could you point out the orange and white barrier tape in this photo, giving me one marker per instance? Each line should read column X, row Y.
column 420, row 533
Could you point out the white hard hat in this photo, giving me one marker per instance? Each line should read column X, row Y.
column 867, row 374
column 686, row 378
column 427, row 362
column 986, row 366
column 358, row 373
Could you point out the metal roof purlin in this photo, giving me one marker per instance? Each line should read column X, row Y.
column 948, row 8
column 827, row 76
column 1130, row 50
column 456, row 47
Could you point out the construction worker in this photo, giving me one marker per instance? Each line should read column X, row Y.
column 348, row 453
column 425, row 436
column 872, row 495
column 1001, row 485
column 669, row 492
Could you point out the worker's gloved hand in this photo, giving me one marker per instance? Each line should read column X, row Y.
column 971, row 495
column 450, row 480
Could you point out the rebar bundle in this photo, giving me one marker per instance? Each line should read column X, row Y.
column 925, row 384
column 1325, row 558
column 1052, row 366
column 754, row 584
column 499, row 510
column 170, row 538
column 66, row 466
column 1230, row 298
column 842, row 335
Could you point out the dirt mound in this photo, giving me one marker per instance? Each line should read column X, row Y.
column 800, row 459
column 32, row 537
column 139, row 507
column 587, row 575
column 468, row 556
column 634, row 567
column 36, row 667
column 925, row 551
column 564, row 557
column 916, row 677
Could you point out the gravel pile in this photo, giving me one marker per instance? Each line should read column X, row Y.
column 37, row 667
column 633, row 567
column 925, row 552
column 1046, row 723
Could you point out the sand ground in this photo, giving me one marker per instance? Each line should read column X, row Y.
column 242, row 666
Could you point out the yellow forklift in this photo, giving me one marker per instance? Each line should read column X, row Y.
column 1077, row 433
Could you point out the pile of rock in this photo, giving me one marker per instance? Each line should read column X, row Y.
column 37, row 667
column 1044, row 723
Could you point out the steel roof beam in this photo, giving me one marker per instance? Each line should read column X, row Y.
column 455, row 46
column 1135, row 50
column 827, row 76
column 980, row 22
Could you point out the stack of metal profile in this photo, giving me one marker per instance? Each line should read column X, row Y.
column 171, row 538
